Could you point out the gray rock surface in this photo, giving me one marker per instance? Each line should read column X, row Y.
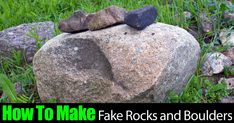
column 23, row 38
column 214, row 63
column 117, row 64
column 229, row 99
column 227, row 37
column 229, row 82
column 206, row 23
column 229, row 15
column 187, row 14
column 105, row 18
column 230, row 54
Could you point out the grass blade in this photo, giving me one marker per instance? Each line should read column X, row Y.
column 8, row 88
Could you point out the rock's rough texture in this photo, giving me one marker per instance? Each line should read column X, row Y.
column 214, row 63
column 187, row 15
column 229, row 99
column 117, row 64
column 229, row 15
column 23, row 38
column 76, row 23
column 206, row 23
column 230, row 54
column 227, row 37
column 105, row 18
column 141, row 18
column 229, row 82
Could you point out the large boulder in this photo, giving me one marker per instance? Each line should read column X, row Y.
column 25, row 38
column 117, row 64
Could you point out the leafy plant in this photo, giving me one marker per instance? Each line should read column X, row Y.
column 53, row 100
column 34, row 35
column 17, row 57
column 229, row 71
column 199, row 90
column 9, row 89
column 216, row 92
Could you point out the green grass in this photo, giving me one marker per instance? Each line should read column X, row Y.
column 229, row 71
column 199, row 88
column 14, row 12
column 17, row 70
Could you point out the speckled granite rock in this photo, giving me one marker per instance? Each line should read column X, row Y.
column 106, row 18
column 117, row 64
column 229, row 82
column 20, row 38
column 214, row 63
column 227, row 37
column 229, row 99
column 230, row 54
